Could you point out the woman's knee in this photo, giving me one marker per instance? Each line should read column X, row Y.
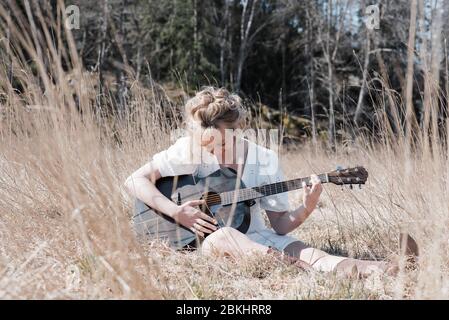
column 223, row 234
column 295, row 248
column 218, row 241
column 320, row 260
column 304, row 252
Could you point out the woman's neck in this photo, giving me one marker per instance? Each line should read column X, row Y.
column 236, row 162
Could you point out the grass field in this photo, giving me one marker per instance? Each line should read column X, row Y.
column 65, row 217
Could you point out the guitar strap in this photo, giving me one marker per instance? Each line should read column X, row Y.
column 229, row 172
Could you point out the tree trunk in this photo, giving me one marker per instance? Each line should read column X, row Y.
column 223, row 38
column 359, row 109
column 431, row 68
column 331, row 128
column 196, row 50
column 437, row 25
column 423, row 56
column 330, row 78
column 245, row 27
column 141, row 40
column 410, row 118
column 392, row 110
column 283, row 70
column 311, row 70
column 102, row 50
column 121, row 76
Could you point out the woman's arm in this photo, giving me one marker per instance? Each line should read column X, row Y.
column 285, row 222
column 141, row 185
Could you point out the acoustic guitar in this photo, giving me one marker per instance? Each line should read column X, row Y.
column 227, row 199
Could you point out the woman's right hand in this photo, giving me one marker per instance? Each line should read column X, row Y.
column 194, row 219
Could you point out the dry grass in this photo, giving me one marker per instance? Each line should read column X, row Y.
column 64, row 216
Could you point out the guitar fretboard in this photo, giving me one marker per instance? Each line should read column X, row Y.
column 245, row 194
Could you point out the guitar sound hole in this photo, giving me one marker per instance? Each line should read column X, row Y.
column 225, row 215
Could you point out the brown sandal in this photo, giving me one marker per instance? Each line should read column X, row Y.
column 408, row 247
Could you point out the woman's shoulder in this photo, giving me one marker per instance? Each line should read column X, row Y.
column 183, row 142
column 176, row 159
column 265, row 159
column 261, row 151
column 184, row 157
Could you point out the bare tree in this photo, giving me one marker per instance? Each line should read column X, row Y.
column 223, row 41
column 430, row 62
column 330, row 46
column 359, row 109
column 391, row 110
column 196, row 48
column 101, row 50
column 310, row 19
column 433, row 79
column 246, row 21
column 424, row 60
column 142, row 35
column 410, row 118
column 120, row 40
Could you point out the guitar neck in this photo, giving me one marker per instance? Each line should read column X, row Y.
column 253, row 193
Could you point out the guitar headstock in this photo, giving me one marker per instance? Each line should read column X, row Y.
column 356, row 175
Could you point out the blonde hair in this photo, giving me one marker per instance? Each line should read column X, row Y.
column 212, row 106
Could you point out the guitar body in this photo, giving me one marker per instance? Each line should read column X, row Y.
column 156, row 225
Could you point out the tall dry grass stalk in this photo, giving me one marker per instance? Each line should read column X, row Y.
column 65, row 218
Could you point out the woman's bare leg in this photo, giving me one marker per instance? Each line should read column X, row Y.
column 323, row 261
column 318, row 259
column 230, row 242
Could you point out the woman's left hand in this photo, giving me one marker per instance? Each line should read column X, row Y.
column 311, row 195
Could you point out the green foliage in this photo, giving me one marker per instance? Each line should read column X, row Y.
column 294, row 56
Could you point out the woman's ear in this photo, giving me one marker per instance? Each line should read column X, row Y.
column 207, row 140
column 208, row 136
column 243, row 123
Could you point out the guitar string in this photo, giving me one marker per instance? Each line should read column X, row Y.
column 265, row 190
column 256, row 192
column 274, row 188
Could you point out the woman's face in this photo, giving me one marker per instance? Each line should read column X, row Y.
column 219, row 141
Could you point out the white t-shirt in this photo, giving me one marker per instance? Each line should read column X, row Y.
column 261, row 167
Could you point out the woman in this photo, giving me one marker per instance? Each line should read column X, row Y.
column 220, row 110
